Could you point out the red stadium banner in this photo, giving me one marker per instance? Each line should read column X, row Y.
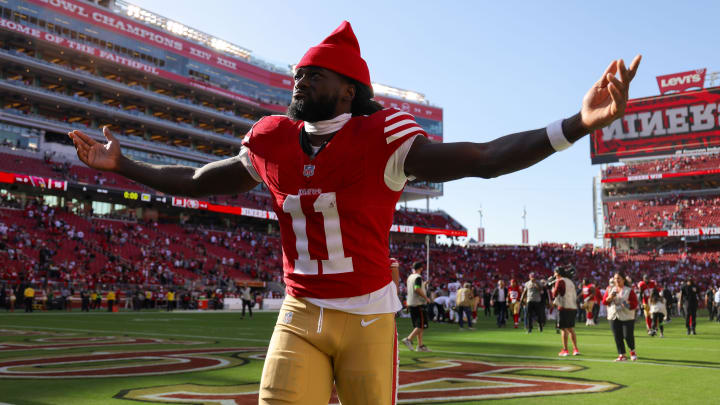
column 481, row 235
column 34, row 181
column 662, row 125
column 660, row 176
column 270, row 215
column 682, row 81
column 418, row 110
column 136, row 30
column 525, row 236
column 702, row 231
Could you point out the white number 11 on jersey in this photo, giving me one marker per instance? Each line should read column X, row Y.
column 325, row 204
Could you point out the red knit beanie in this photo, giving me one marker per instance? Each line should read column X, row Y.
column 339, row 52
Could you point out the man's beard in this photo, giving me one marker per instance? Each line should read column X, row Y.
column 312, row 111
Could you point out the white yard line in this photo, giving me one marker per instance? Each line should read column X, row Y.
column 576, row 358
column 266, row 341
column 124, row 332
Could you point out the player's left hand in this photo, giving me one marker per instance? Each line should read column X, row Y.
column 607, row 98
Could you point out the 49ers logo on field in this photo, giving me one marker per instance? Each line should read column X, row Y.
column 427, row 380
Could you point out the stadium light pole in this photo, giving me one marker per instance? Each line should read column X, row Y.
column 427, row 258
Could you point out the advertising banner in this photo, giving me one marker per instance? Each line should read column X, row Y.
column 162, row 39
column 663, row 125
column 681, row 81
column 131, row 63
column 682, row 232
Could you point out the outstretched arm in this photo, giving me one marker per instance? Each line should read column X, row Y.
column 603, row 103
column 228, row 176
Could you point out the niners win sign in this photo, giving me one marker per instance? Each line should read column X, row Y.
column 663, row 125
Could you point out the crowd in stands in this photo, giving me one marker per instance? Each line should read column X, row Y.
column 437, row 219
column 55, row 249
column 484, row 266
column 42, row 244
column 667, row 165
column 662, row 213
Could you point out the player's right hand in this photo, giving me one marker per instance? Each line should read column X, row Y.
column 94, row 154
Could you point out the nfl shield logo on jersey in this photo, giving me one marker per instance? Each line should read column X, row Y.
column 308, row 170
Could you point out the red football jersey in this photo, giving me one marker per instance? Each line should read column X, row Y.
column 587, row 291
column 514, row 293
column 646, row 290
column 335, row 210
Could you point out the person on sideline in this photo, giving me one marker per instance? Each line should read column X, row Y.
column 463, row 304
column 689, row 298
column 532, row 298
column 514, row 292
column 247, row 299
column 621, row 302
column 29, row 295
column 498, row 300
column 416, row 300
column 565, row 298
column 658, row 312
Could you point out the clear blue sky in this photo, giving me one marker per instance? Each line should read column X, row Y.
column 495, row 68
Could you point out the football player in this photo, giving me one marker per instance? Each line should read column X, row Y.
column 453, row 288
column 514, row 292
column 335, row 166
column 646, row 287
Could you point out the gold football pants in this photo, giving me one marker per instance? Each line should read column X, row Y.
column 515, row 307
column 312, row 348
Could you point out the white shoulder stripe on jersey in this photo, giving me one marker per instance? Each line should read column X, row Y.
column 398, row 124
column 402, row 133
column 397, row 114
column 247, row 163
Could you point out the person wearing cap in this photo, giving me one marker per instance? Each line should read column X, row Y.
column 531, row 297
column 336, row 166
column 514, row 292
column 417, row 300
column 565, row 298
column 464, row 303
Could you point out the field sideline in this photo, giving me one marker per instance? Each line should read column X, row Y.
column 216, row 358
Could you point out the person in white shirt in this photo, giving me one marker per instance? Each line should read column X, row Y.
column 453, row 288
column 247, row 299
column 658, row 312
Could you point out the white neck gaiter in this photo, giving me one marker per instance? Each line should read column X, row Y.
column 327, row 126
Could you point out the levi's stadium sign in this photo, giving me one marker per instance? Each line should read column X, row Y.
column 662, row 125
column 682, row 81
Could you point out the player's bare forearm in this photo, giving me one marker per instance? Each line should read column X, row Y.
column 450, row 161
column 226, row 176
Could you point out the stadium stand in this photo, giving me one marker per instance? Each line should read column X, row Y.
column 666, row 165
column 663, row 213
column 100, row 253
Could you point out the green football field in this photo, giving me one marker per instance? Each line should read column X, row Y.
column 216, row 358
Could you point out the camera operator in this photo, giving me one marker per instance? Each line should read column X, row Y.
column 621, row 303
column 565, row 298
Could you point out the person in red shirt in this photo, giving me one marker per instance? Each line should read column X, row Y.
column 514, row 292
column 335, row 167
column 646, row 287
column 589, row 295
